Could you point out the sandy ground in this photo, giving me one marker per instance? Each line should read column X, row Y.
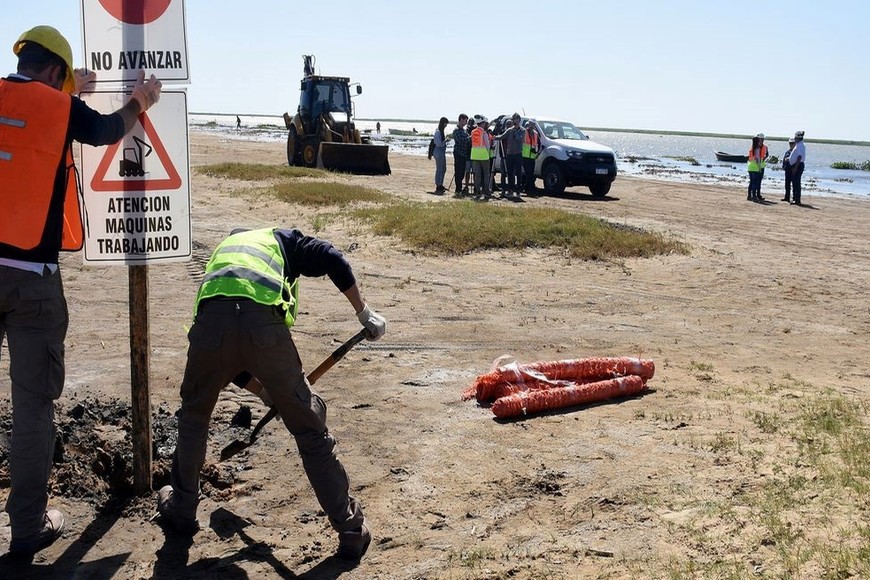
column 770, row 295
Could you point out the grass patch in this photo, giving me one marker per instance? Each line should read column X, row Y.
column 323, row 193
column 258, row 171
column 463, row 227
column 865, row 166
column 689, row 160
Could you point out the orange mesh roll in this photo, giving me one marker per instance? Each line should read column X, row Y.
column 527, row 402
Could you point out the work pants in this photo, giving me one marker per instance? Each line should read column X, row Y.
column 481, row 171
column 34, row 318
column 459, row 163
column 788, row 180
column 514, row 167
column 234, row 335
column 796, row 174
column 529, row 175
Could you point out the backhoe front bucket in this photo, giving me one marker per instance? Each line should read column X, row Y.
column 357, row 158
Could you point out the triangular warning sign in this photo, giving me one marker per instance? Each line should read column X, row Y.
column 133, row 166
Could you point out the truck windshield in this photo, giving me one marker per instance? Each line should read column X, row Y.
column 561, row 130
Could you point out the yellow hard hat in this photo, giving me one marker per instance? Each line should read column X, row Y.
column 50, row 39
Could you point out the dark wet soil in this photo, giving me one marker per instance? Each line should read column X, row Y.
column 93, row 458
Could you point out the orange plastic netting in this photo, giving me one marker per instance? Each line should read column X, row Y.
column 525, row 402
column 517, row 378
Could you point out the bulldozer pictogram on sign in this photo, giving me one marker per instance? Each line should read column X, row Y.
column 132, row 164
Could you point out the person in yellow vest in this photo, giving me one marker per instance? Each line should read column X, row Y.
column 531, row 145
column 481, row 146
column 40, row 116
column 758, row 155
column 245, row 306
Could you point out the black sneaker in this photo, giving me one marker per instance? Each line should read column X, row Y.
column 352, row 545
column 169, row 514
column 52, row 527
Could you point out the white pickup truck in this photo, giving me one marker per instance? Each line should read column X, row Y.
column 567, row 157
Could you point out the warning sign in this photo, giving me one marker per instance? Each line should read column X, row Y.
column 132, row 164
column 121, row 37
column 136, row 193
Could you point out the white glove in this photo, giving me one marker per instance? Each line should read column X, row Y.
column 85, row 81
column 374, row 323
column 147, row 93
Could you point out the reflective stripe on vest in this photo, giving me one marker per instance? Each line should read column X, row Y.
column 250, row 265
column 34, row 119
column 480, row 142
column 530, row 144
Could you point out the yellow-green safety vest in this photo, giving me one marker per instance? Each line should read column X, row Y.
column 250, row 265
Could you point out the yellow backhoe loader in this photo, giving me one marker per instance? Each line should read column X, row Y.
column 322, row 133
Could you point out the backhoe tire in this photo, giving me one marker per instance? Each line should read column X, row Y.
column 293, row 149
column 310, row 147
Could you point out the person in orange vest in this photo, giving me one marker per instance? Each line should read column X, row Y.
column 40, row 116
column 481, row 144
column 758, row 155
column 531, row 146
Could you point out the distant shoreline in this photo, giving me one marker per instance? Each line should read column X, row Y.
column 609, row 129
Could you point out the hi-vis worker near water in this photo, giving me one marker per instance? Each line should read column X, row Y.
column 245, row 306
column 40, row 116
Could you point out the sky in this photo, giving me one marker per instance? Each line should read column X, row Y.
column 738, row 67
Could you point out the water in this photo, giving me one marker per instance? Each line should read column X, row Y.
column 660, row 157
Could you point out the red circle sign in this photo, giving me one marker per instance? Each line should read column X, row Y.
column 136, row 11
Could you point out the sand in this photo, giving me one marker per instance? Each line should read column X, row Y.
column 767, row 311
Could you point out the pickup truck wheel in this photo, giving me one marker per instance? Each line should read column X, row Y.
column 292, row 147
column 554, row 181
column 599, row 189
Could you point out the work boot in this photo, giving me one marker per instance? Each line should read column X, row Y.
column 352, row 545
column 52, row 527
column 169, row 514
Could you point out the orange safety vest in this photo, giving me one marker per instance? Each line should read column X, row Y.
column 480, row 143
column 34, row 121
column 530, row 144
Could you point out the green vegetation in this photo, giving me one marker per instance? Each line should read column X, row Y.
column 800, row 507
column 452, row 228
column 689, row 160
column 865, row 166
column 462, row 227
column 324, row 193
column 257, row 171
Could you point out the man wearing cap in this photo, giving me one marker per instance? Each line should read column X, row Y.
column 797, row 159
column 786, row 167
column 40, row 116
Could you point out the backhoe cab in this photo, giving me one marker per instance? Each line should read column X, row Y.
column 322, row 133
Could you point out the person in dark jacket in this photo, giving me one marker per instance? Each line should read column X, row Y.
column 40, row 116
column 461, row 153
column 786, row 167
column 245, row 306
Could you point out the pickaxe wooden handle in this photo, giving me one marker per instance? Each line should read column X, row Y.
column 338, row 354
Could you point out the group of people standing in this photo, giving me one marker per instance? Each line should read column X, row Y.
column 475, row 148
column 793, row 162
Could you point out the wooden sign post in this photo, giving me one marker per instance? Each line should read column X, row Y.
column 139, row 383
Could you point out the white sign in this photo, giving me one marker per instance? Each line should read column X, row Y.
column 123, row 36
column 137, row 191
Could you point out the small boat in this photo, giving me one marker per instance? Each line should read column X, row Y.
column 720, row 156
